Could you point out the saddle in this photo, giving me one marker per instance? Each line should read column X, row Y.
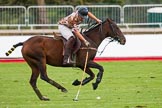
column 76, row 46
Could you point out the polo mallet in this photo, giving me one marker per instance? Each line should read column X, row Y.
column 85, row 65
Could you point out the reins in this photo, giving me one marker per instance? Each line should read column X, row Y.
column 111, row 40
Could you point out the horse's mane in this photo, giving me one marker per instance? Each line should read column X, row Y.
column 93, row 27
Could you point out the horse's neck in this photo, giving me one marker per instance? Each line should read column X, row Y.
column 95, row 37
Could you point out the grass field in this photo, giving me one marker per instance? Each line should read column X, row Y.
column 130, row 84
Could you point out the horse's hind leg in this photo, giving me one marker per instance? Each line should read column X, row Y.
column 42, row 68
column 33, row 80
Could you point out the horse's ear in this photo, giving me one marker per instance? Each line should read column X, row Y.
column 109, row 19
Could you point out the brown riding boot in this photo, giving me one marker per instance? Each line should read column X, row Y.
column 68, row 50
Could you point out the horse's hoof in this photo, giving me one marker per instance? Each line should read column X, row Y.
column 76, row 82
column 95, row 85
column 64, row 90
column 45, row 98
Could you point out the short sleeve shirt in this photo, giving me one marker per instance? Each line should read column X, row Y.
column 72, row 20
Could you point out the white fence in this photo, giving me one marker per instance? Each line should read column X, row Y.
column 49, row 15
column 13, row 16
column 105, row 11
column 140, row 14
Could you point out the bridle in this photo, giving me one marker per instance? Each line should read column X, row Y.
column 114, row 34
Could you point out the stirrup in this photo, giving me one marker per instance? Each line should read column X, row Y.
column 68, row 62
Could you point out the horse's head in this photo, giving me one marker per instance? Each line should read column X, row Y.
column 108, row 28
column 114, row 31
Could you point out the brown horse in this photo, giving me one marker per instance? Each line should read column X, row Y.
column 40, row 50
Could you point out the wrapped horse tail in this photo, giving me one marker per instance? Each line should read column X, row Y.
column 13, row 48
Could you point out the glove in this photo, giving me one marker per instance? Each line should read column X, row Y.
column 99, row 21
column 86, row 43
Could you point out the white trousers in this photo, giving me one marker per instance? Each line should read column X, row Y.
column 65, row 31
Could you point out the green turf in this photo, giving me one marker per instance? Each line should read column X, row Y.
column 136, row 84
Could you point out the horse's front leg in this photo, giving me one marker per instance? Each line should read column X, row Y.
column 99, row 75
column 87, row 79
column 98, row 80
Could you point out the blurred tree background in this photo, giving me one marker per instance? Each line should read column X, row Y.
column 76, row 2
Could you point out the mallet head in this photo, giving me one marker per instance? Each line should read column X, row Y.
column 75, row 99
